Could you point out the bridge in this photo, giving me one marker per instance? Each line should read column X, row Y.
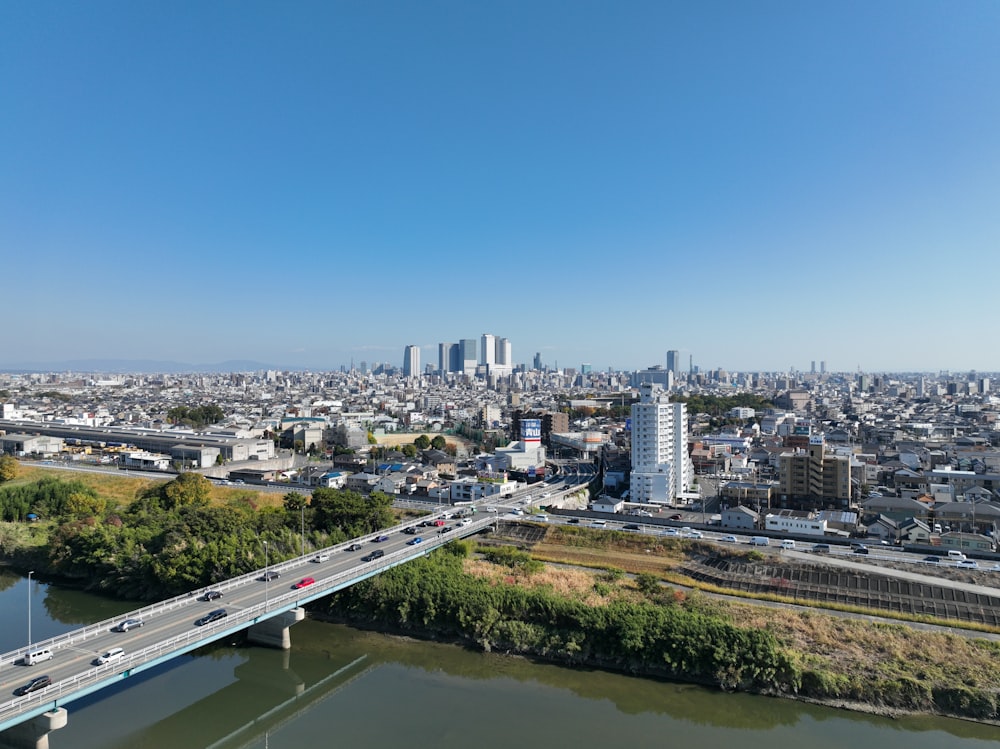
column 266, row 607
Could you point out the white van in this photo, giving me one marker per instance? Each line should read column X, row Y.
column 759, row 541
column 788, row 544
column 956, row 556
column 37, row 656
column 115, row 654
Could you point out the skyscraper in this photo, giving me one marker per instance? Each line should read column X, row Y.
column 661, row 468
column 411, row 361
column 537, row 363
column 488, row 351
column 467, row 355
column 447, row 357
column 673, row 361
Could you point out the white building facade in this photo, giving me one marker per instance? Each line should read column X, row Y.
column 661, row 468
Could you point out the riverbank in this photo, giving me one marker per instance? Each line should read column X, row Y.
column 604, row 620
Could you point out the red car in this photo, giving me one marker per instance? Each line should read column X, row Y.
column 304, row 582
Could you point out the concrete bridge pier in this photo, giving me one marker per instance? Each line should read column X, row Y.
column 34, row 733
column 273, row 632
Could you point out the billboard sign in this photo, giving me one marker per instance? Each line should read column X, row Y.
column 531, row 430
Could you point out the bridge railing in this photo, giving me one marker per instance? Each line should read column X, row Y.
column 240, row 618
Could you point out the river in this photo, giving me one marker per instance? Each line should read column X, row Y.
column 341, row 687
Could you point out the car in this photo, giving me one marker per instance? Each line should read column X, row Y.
column 304, row 582
column 324, row 557
column 211, row 616
column 126, row 624
column 269, row 576
column 631, row 527
column 671, row 532
column 380, row 539
column 446, row 529
column 695, row 534
column 860, row 549
column 574, row 521
column 354, row 547
column 437, row 523
column 729, row 539
column 971, row 564
column 115, row 654
column 675, row 516
column 39, row 682
column 212, row 595
column 517, row 511
column 415, row 541
column 411, row 531
column 932, row 559
column 377, row 554
column 466, row 521
column 821, row 548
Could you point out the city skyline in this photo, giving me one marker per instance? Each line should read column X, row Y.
column 753, row 186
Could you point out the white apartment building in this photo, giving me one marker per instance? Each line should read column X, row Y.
column 661, row 469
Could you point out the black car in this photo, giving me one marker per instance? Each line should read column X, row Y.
column 211, row 616
column 860, row 549
column 573, row 520
column 411, row 531
column 268, row 576
column 377, row 554
column 932, row 559
column 446, row 529
column 212, row 595
column 354, row 547
column 39, row 682
column 632, row 527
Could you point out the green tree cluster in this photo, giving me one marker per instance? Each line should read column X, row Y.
column 49, row 498
column 198, row 416
column 433, row 595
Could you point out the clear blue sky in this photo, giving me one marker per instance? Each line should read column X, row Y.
column 756, row 184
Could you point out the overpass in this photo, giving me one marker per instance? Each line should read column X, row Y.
column 267, row 608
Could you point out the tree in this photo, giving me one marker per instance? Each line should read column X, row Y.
column 293, row 501
column 8, row 468
column 439, row 442
column 409, row 451
column 351, row 513
column 187, row 489
column 422, row 442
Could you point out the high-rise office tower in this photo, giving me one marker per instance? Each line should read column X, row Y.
column 504, row 355
column 673, row 361
column 488, row 350
column 411, row 361
column 467, row 355
column 537, row 363
column 661, row 468
column 447, row 357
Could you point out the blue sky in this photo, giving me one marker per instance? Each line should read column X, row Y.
column 755, row 184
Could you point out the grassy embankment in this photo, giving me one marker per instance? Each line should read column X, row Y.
column 635, row 624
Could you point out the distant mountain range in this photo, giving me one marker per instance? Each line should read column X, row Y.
column 137, row 366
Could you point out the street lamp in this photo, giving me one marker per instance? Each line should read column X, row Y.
column 302, row 513
column 30, row 573
column 267, row 577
